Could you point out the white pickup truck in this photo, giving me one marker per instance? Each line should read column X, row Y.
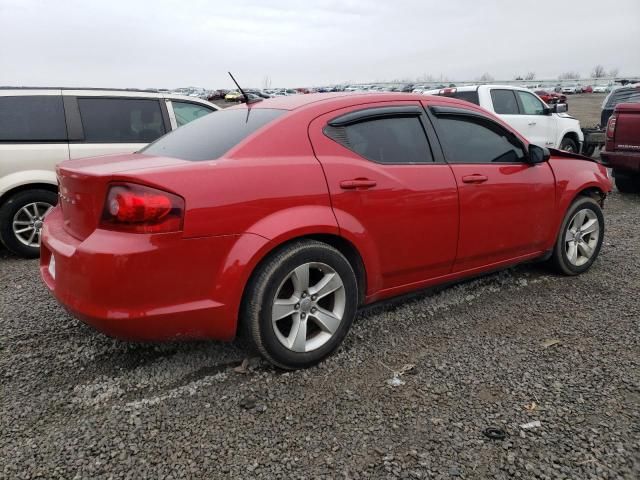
column 541, row 124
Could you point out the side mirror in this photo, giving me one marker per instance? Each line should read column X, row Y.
column 559, row 108
column 538, row 154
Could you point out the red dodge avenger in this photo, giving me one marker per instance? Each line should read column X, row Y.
column 282, row 217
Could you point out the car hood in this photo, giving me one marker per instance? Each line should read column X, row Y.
column 575, row 156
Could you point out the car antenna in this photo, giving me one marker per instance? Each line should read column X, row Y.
column 246, row 97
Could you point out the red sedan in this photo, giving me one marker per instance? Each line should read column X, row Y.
column 282, row 217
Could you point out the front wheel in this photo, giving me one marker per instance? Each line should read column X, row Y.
column 300, row 304
column 580, row 238
column 21, row 219
column 569, row 145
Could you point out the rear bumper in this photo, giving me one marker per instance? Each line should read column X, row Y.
column 142, row 287
column 627, row 161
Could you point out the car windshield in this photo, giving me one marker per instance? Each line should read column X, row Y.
column 211, row 136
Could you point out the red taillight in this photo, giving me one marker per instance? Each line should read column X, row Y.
column 447, row 91
column 139, row 209
column 611, row 126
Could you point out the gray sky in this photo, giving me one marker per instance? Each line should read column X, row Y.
column 170, row 43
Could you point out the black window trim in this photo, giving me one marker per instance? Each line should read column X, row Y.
column 64, row 141
column 436, row 111
column 377, row 113
column 75, row 127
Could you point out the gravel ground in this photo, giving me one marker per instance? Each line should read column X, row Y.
column 508, row 349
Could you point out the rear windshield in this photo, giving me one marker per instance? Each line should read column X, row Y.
column 622, row 95
column 211, row 136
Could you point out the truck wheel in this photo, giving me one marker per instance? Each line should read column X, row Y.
column 627, row 182
column 21, row 219
column 568, row 145
column 580, row 237
column 587, row 150
column 300, row 304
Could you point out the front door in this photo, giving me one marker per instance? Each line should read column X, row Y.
column 506, row 204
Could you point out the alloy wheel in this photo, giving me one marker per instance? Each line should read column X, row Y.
column 308, row 307
column 28, row 221
column 581, row 237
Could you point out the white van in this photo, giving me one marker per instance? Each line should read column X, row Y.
column 40, row 127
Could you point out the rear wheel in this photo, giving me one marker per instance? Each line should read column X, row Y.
column 569, row 145
column 588, row 150
column 580, row 238
column 21, row 219
column 627, row 182
column 300, row 304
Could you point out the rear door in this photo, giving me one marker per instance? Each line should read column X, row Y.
column 101, row 125
column 506, row 204
column 389, row 189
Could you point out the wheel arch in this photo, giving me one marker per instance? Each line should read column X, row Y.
column 26, row 187
column 344, row 246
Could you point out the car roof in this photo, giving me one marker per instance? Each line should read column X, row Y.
column 295, row 102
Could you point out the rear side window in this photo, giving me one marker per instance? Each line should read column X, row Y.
column 187, row 112
column 385, row 140
column 471, row 96
column 32, row 119
column 504, row 102
column 212, row 136
column 467, row 140
column 121, row 120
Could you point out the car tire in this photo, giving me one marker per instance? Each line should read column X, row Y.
column 588, row 150
column 626, row 182
column 569, row 145
column 580, row 237
column 304, row 328
column 20, row 208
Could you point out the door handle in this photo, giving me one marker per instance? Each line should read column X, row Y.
column 475, row 178
column 531, row 123
column 357, row 183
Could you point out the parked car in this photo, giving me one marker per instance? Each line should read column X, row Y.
column 547, row 126
column 234, row 96
column 571, row 89
column 587, row 89
column 281, row 218
column 601, row 89
column 217, row 95
column 622, row 150
column 629, row 93
column 550, row 97
column 43, row 126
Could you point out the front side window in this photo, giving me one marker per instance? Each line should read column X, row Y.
column 467, row 140
column 187, row 112
column 530, row 104
column 38, row 118
column 385, row 140
column 121, row 120
column 504, row 102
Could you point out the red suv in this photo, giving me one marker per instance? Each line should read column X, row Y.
column 282, row 217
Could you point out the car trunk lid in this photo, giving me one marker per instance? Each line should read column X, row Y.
column 83, row 186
